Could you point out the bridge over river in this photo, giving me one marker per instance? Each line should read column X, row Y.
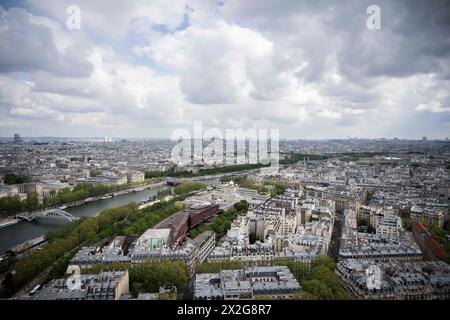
column 51, row 213
column 20, row 232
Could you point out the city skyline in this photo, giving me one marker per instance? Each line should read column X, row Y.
column 224, row 155
column 143, row 70
column 137, row 138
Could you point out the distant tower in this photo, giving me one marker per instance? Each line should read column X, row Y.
column 17, row 138
column 424, row 138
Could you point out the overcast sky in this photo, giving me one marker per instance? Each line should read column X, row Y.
column 144, row 68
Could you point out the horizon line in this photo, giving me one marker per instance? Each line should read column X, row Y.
column 168, row 138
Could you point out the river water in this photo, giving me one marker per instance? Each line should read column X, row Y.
column 23, row 231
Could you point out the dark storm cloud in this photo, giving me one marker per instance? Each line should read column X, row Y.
column 414, row 38
column 26, row 46
column 311, row 68
column 414, row 35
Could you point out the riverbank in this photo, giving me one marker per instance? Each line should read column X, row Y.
column 116, row 194
column 4, row 223
column 28, row 245
column 20, row 232
column 11, row 205
column 11, row 220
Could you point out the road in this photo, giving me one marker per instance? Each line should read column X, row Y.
column 39, row 279
column 333, row 250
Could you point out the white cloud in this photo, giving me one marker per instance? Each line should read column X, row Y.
column 216, row 64
column 143, row 68
column 114, row 19
column 28, row 44
column 325, row 113
column 354, row 112
column 434, row 107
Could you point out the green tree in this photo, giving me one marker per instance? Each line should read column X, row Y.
column 215, row 267
column 278, row 187
column 149, row 276
column 12, row 178
column 87, row 231
column 32, row 202
column 10, row 205
column 326, row 261
column 187, row 187
column 220, row 224
column 317, row 289
column 241, row 206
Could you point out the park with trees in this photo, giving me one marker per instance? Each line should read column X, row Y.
column 63, row 244
column 187, row 187
column 149, row 276
column 13, row 204
column 221, row 223
column 318, row 280
column 12, row 178
column 204, row 171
